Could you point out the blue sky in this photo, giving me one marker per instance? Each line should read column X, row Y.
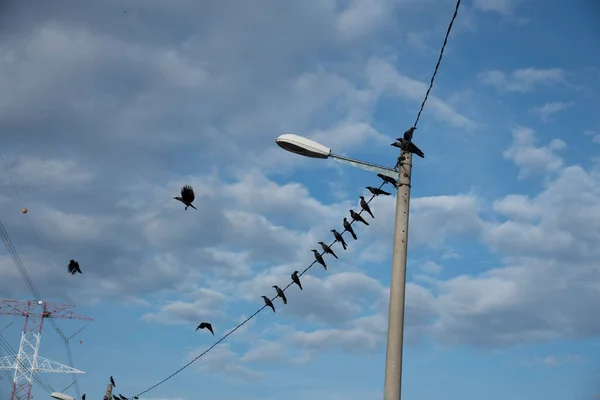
column 107, row 109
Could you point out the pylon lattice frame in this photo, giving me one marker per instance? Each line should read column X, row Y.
column 27, row 361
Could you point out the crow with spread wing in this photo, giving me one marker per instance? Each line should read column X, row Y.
column 206, row 325
column 73, row 267
column 187, row 197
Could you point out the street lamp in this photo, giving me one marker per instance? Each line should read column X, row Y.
column 393, row 363
column 61, row 396
column 310, row 148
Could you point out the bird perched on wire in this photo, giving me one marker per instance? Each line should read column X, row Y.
column 377, row 191
column 319, row 258
column 73, row 267
column 408, row 146
column 338, row 236
column 365, row 206
column 348, row 227
column 280, row 294
column 296, row 279
column 356, row 216
column 389, row 180
column 268, row 302
column 206, row 325
column 187, row 197
column 112, row 382
column 327, row 249
column 408, row 135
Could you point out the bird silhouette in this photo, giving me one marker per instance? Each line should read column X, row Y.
column 206, row 325
column 327, row 249
column 296, row 279
column 73, row 267
column 83, row 397
column 280, row 294
column 268, row 302
column 365, row 206
column 389, row 180
column 356, row 216
column 187, row 197
column 408, row 146
column 112, row 382
column 123, row 397
column 408, row 135
column 115, row 397
column 348, row 227
column 377, row 191
column 319, row 258
column 338, row 236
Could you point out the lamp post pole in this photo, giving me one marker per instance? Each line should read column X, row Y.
column 395, row 337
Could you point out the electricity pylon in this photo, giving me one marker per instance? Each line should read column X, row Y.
column 28, row 362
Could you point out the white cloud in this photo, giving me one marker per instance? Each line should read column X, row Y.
column 36, row 172
column 548, row 110
column 429, row 267
column 530, row 159
column 504, row 7
column 224, row 360
column 595, row 135
column 554, row 361
column 207, row 305
column 362, row 16
column 383, row 77
column 548, row 277
column 522, row 80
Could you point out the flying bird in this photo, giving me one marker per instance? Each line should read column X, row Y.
column 296, row 279
column 206, row 325
column 377, row 191
column 327, row 249
column 408, row 146
column 338, row 236
column 268, row 302
column 389, row 180
column 408, row 135
column 319, row 259
column 112, row 382
column 365, row 206
column 349, row 228
column 73, row 267
column 187, row 197
column 280, row 294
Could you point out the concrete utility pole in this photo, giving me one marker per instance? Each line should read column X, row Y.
column 108, row 394
column 395, row 338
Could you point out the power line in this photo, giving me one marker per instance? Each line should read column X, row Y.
column 4, row 344
column 435, row 71
column 246, row 320
column 28, row 281
column 437, row 66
